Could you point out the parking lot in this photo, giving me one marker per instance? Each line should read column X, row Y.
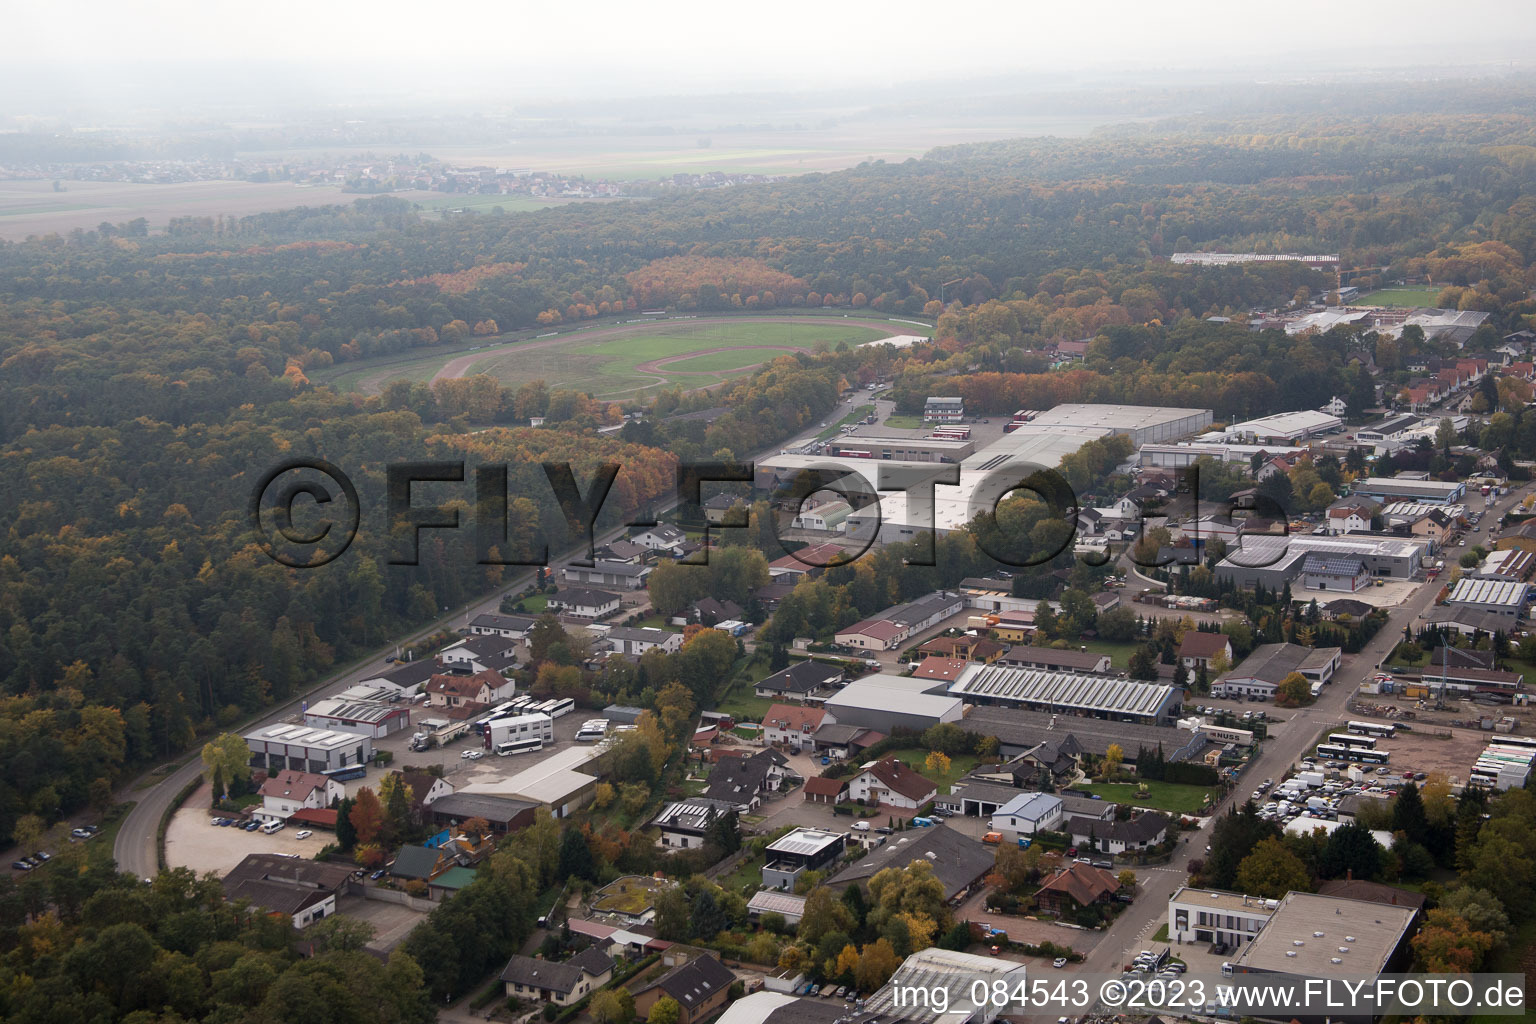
column 191, row 842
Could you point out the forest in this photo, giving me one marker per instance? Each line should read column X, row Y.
column 146, row 380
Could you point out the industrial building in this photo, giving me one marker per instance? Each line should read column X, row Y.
column 1384, row 490
column 1068, row 692
column 1208, row 915
column 1503, row 765
column 988, row 474
column 1186, row 453
column 556, row 782
column 958, row 860
column 1269, row 665
column 307, row 749
column 1509, row 564
column 884, row 701
column 371, row 718
column 1499, row 597
column 1285, row 427
column 1028, row 813
column 901, row 449
column 1311, row 936
column 1019, row 730
column 1273, row 561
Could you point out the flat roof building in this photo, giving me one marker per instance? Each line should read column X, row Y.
column 1274, row 561
column 884, row 701
column 1209, row 915
column 1286, row 427
column 1325, row 936
column 1384, row 489
column 307, row 749
column 901, row 449
column 804, row 849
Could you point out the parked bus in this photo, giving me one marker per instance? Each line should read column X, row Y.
column 1373, row 729
column 1344, row 739
column 346, row 773
column 528, row 746
column 1338, row 753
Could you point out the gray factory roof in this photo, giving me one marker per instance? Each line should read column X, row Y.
column 1325, row 935
column 1494, row 592
column 805, row 841
column 1067, row 690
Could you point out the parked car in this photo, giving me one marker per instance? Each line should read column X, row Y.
column 860, row 826
column 1219, row 948
column 1060, row 961
column 376, row 875
column 252, row 826
column 22, row 865
column 885, row 830
column 42, row 857
column 305, row 834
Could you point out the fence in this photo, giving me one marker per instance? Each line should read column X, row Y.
column 404, row 899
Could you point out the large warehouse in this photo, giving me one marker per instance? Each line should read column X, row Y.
column 1383, row 490
column 901, row 449
column 1275, row 561
column 306, row 749
column 1496, row 596
column 1123, row 700
column 988, row 474
column 884, row 701
column 1187, row 453
column 1286, row 427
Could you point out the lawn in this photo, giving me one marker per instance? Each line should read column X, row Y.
column 1120, row 654
column 613, row 366
column 535, row 604
column 749, row 873
column 739, row 701
column 901, row 422
column 1399, row 295
column 915, row 756
column 1163, row 796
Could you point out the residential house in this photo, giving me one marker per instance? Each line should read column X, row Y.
column 487, row 687
column 892, row 784
column 718, row 507
column 966, row 648
column 423, row 789
column 582, row 603
column 1055, row 761
column 614, row 575
column 792, row 725
column 959, row 862
column 742, row 781
column 1145, row 830
column 1349, row 519
column 636, row 641
column 559, row 982
column 482, row 652
column 799, row 851
column 1076, row 886
column 660, row 538
column 804, row 680
column 872, row 635
column 622, row 550
column 710, row 611
column 305, row 890
column 700, row 986
column 1199, row 648
column 512, row 627
column 1336, row 572
column 684, row 824
column 290, row 791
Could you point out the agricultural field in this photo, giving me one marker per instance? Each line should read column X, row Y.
column 626, row 360
column 34, row 208
column 1400, row 296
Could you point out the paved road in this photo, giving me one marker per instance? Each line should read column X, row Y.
column 135, row 848
column 1132, row 931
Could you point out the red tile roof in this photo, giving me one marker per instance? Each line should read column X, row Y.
column 794, row 718
column 1202, row 645
column 1084, row 883
column 939, row 668
column 818, row 786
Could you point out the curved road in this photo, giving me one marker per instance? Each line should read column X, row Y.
column 136, row 849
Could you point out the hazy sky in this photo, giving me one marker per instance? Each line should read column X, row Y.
column 341, row 49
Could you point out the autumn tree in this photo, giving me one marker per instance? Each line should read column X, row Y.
column 367, row 816
column 228, row 756
column 1271, row 871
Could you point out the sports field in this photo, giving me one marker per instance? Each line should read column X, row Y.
column 1400, row 296
column 625, row 360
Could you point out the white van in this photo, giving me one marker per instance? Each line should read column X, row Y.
column 274, row 826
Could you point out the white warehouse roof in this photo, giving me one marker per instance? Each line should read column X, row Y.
column 1495, row 592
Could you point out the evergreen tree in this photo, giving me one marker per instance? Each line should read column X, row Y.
column 576, row 856
column 346, row 834
column 1408, row 814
